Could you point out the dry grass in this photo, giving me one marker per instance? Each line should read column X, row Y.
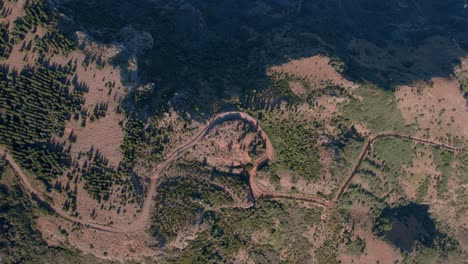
column 243, row 257
column 438, row 108
column 16, row 8
column 102, row 244
column 19, row 59
column 298, row 88
column 316, row 71
column 422, row 168
column 376, row 251
column 103, row 134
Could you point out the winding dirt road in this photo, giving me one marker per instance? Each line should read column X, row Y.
column 142, row 220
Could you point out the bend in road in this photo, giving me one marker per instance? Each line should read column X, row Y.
column 142, row 220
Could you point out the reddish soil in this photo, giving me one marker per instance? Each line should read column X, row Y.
column 437, row 108
column 134, row 231
column 141, row 221
column 374, row 138
column 316, row 71
column 422, row 167
column 225, row 148
column 104, row 133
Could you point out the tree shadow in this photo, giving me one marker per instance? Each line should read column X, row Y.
column 204, row 51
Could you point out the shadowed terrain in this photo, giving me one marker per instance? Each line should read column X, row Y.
column 207, row 50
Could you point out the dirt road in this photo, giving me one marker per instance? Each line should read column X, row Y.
column 144, row 216
column 371, row 141
column 141, row 221
column 38, row 196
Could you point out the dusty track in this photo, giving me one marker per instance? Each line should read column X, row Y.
column 38, row 196
column 142, row 220
column 371, row 141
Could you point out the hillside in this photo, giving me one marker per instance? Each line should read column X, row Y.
column 263, row 131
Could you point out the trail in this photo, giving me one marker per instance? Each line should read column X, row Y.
column 370, row 141
column 144, row 216
column 142, row 219
column 38, row 196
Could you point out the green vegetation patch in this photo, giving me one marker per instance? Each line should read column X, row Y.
column 20, row 241
column 393, row 152
column 356, row 195
column 327, row 253
column 378, row 110
column 382, row 168
column 263, row 232
column 181, row 201
column 35, row 105
column 294, row 141
column 443, row 160
column 463, row 167
column 356, row 247
column 348, row 150
column 422, row 190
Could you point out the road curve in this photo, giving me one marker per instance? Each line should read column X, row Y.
column 142, row 219
column 144, row 216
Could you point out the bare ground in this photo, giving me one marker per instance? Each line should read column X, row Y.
column 139, row 224
column 376, row 251
column 316, row 71
column 437, row 108
column 422, row 168
column 225, row 148
column 104, row 134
